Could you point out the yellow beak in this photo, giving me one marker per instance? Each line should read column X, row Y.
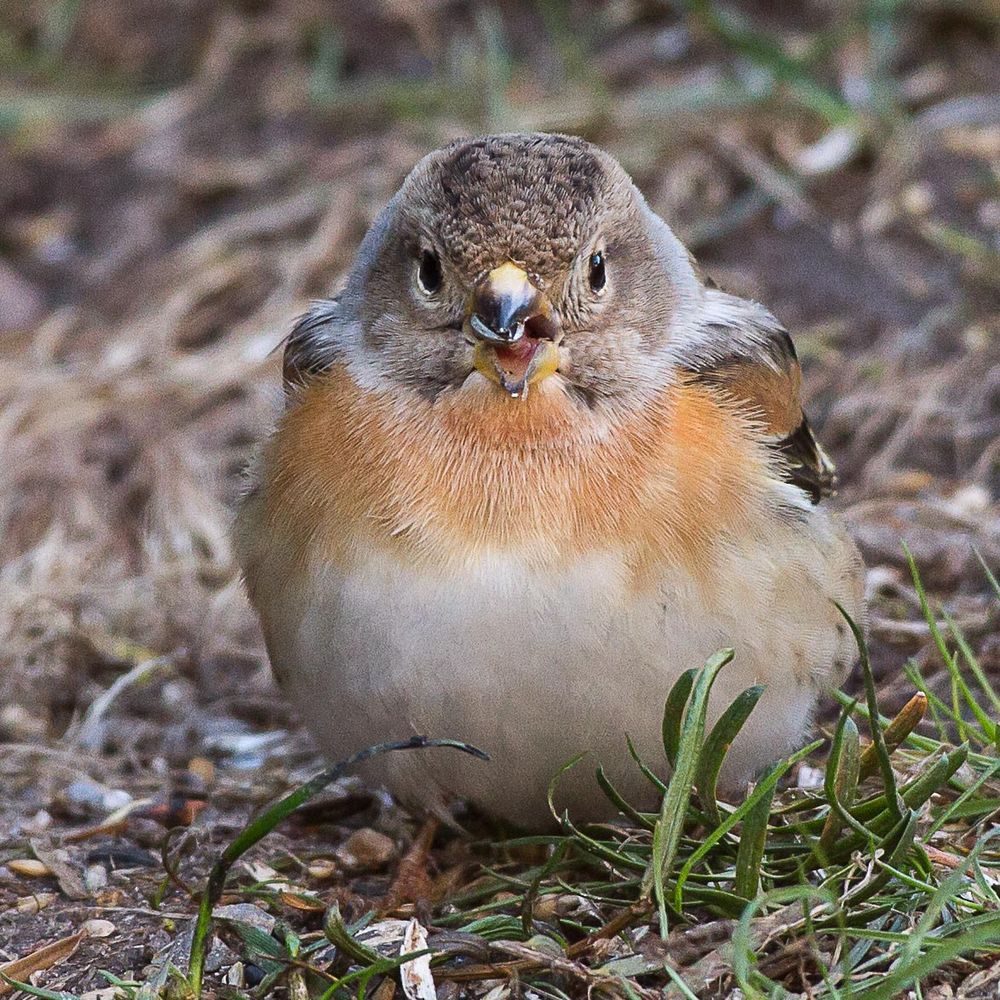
column 515, row 328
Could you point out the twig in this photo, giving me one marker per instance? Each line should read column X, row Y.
column 88, row 735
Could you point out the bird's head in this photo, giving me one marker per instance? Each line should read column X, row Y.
column 520, row 259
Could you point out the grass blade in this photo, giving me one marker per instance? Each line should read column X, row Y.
column 673, row 714
column 717, row 746
column 878, row 740
column 753, row 838
column 670, row 824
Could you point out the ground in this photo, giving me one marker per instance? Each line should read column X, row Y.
column 178, row 180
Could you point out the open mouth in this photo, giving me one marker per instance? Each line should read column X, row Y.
column 513, row 362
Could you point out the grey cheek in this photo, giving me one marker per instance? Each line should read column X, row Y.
column 588, row 371
column 430, row 363
column 382, row 327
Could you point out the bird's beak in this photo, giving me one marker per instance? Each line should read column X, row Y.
column 515, row 329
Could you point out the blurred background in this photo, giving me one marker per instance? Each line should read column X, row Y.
column 178, row 180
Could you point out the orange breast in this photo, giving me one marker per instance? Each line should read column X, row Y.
column 545, row 476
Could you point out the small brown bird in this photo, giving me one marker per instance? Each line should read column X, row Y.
column 530, row 470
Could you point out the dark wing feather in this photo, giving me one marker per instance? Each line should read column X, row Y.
column 311, row 348
column 806, row 464
column 743, row 351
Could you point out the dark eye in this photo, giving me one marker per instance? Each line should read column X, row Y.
column 598, row 272
column 429, row 276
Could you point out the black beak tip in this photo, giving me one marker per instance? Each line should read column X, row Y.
column 496, row 333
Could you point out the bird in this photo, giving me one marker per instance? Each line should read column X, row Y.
column 531, row 467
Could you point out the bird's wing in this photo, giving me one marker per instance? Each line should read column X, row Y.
column 311, row 348
column 740, row 349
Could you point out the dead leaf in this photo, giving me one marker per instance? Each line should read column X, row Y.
column 415, row 975
column 943, row 858
column 29, row 867
column 43, row 958
column 302, row 901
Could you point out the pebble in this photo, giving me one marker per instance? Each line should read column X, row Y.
column 918, row 199
column 366, row 850
column 202, row 768
column 253, row 975
column 23, row 305
column 17, row 723
column 220, row 956
column 323, row 868
column 98, row 928
column 95, row 798
column 552, row 905
column 246, row 913
column 235, row 976
column 95, row 878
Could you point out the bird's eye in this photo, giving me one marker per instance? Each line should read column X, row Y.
column 429, row 276
column 598, row 272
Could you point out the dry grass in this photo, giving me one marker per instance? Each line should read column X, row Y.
column 176, row 182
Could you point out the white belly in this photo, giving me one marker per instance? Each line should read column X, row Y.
column 536, row 666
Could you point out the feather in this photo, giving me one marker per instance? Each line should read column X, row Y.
column 742, row 351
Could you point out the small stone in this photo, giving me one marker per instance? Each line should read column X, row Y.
column 323, row 868
column 246, row 913
column 220, row 956
column 202, row 768
column 265, row 874
column 98, row 928
column 810, row 777
column 918, row 199
column 92, row 798
column 38, row 823
column 831, row 151
column 95, row 878
column 988, row 214
column 234, row 975
column 116, row 798
column 21, row 303
column 384, row 936
column 20, row 725
column 552, row 905
column 366, row 850
column 253, row 975
column 546, row 907
column 970, row 500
